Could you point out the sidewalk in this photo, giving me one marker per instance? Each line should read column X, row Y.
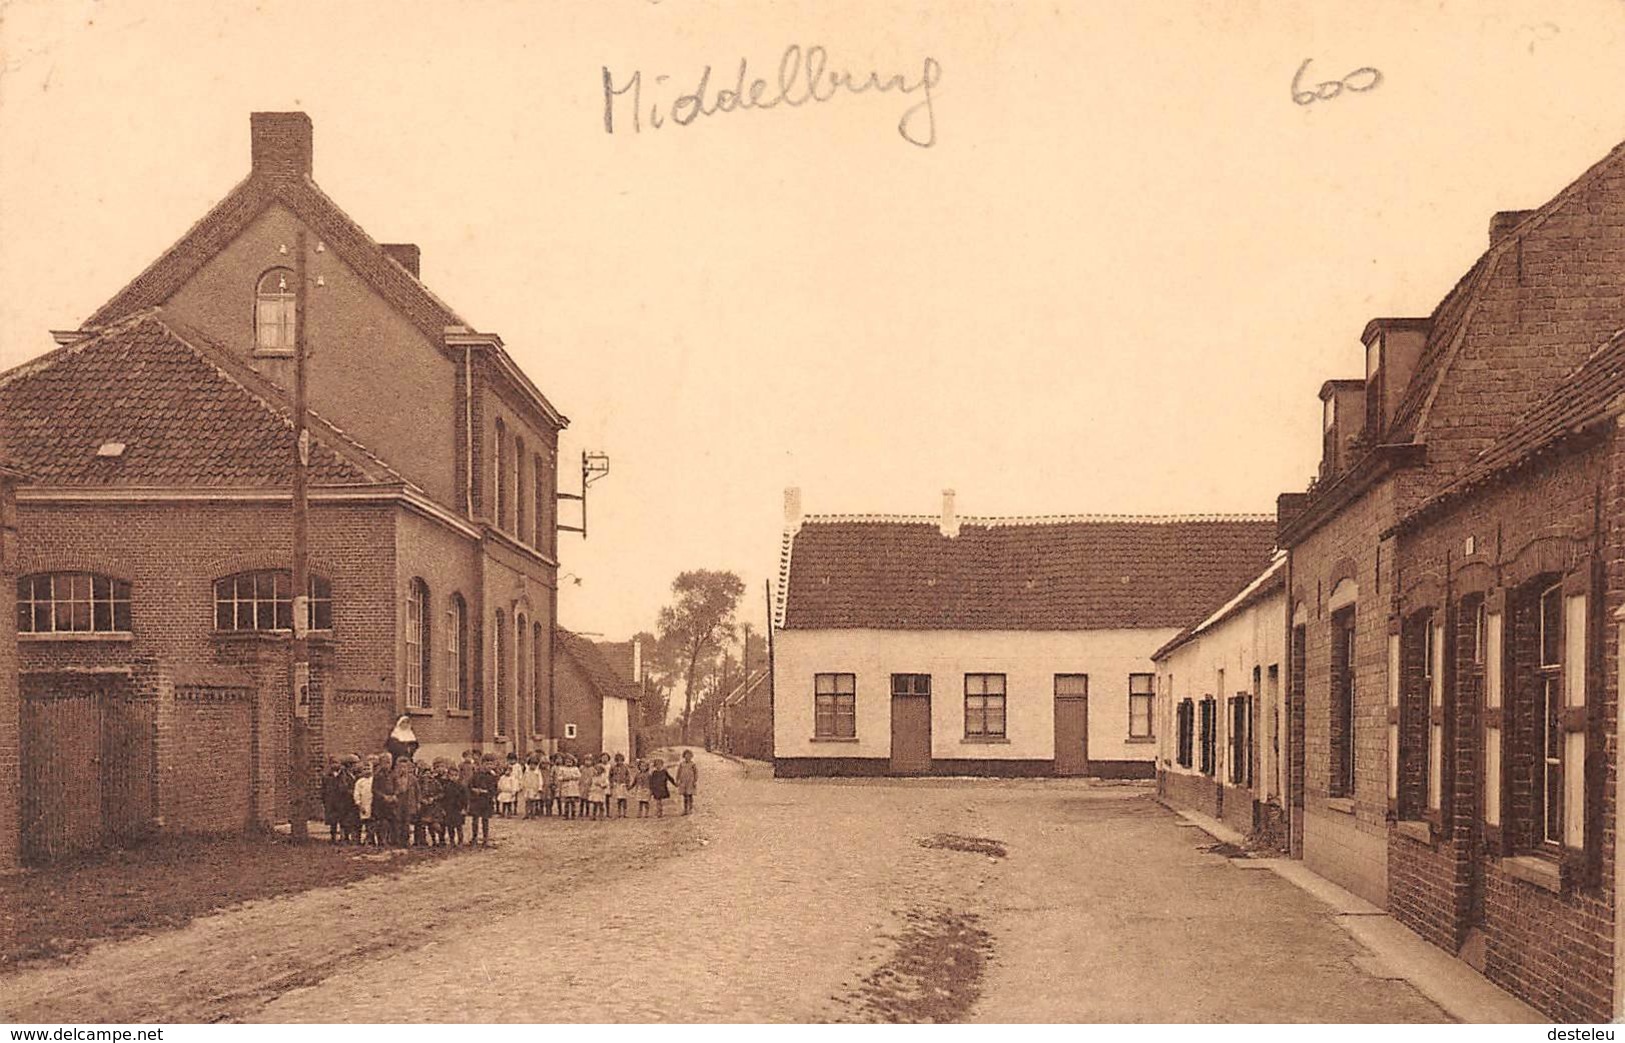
column 1396, row 952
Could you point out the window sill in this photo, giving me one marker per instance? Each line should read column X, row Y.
column 270, row 635
column 1531, row 869
column 1416, row 829
column 831, row 738
column 273, row 353
column 420, row 711
column 499, row 737
column 53, row 636
column 452, row 711
column 1341, row 805
column 1140, row 740
column 978, row 741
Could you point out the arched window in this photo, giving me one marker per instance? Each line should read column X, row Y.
column 418, row 658
column 520, row 683
column 274, row 306
column 455, row 643
column 499, row 476
column 72, row 603
column 543, row 480
column 521, row 496
column 263, row 600
column 499, row 666
column 538, row 672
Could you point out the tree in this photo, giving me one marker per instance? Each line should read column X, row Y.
column 697, row 622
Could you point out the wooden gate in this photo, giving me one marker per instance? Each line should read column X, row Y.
column 62, row 775
column 87, row 766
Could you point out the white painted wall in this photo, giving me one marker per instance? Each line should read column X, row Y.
column 617, row 731
column 1255, row 636
column 1029, row 659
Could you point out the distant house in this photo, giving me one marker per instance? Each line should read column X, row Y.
column 596, row 708
column 990, row 646
column 1221, row 722
column 745, row 720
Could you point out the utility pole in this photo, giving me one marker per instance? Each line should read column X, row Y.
column 298, row 724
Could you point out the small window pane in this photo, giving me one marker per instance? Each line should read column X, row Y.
column 1139, row 684
column 1071, row 684
column 824, row 683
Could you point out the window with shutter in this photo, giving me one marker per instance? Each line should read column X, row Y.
column 1494, row 674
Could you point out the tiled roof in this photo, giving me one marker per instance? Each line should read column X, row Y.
column 590, row 660
column 1592, row 393
column 1270, row 581
column 184, row 413
column 618, row 654
column 1455, row 312
column 227, row 220
column 1078, row 573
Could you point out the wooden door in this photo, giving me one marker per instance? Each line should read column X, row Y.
column 910, row 734
column 1071, row 725
column 62, row 774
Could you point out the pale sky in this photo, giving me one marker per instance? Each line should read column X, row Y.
column 1114, row 284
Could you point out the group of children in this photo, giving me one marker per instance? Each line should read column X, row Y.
column 598, row 787
column 392, row 799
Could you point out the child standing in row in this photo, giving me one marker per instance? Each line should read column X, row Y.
column 688, row 780
column 640, row 787
column 620, row 781
column 598, row 791
column 568, row 780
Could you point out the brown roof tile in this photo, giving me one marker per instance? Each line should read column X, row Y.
column 1064, row 574
column 186, row 415
column 592, row 663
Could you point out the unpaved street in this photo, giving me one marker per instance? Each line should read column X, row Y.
column 1035, row 900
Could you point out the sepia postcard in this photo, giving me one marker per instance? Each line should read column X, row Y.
column 788, row 513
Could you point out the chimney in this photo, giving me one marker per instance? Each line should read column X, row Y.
column 1504, row 222
column 637, row 660
column 792, row 510
column 406, row 255
column 950, row 517
column 281, row 143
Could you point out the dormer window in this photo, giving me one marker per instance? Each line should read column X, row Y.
column 274, row 307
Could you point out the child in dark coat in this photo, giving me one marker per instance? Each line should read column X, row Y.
column 454, row 806
column 482, row 792
column 338, row 800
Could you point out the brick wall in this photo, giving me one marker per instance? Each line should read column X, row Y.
column 211, row 764
column 1344, row 836
column 10, row 708
column 1552, row 949
column 578, row 704
column 1555, row 295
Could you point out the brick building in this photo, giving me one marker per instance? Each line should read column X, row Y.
column 10, row 704
column 987, row 646
column 597, row 706
column 155, row 541
column 1453, row 580
column 1220, row 727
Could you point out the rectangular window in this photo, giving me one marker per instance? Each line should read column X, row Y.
column 1342, row 715
column 835, row 706
column 1141, row 699
column 911, row 684
column 984, row 706
column 1209, row 735
column 1186, row 746
column 72, row 603
column 1435, row 720
column 1240, row 739
column 1550, row 689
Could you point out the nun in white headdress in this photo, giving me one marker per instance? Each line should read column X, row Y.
column 402, row 742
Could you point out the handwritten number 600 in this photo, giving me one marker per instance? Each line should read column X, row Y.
column 1358, row 81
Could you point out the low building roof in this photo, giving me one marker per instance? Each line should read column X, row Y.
column 1060, row 573
column 594, row 666
column 1271, row 581
column 148, row 403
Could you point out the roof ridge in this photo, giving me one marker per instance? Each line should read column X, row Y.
column 996, row 521
column 1482, row 270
